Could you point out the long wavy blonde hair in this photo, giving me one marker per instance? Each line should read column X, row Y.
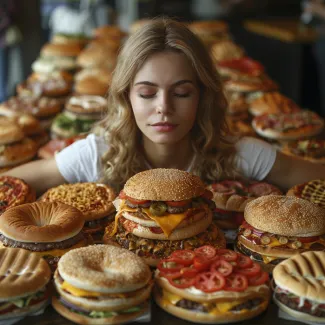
column 124, row 158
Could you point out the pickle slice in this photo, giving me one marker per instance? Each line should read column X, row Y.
column 158, row 208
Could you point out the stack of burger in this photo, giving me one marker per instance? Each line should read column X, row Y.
column 102, row 284
column 162, row 210
column 48, row 229
column 15, row 147
column 98, row 60
column 93, row 200
column 277, row 227
column 210, row 32
column 80, row 114
column 24, row 284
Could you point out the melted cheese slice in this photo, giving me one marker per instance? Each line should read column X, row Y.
column 167, row 223
column 60, row 252
column 85, row 293
column 217, row 308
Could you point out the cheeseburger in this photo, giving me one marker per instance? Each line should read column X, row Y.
column 48, row 229
column 277, row 227
column 102, row 284
column 211, row 285
column 24, row 284
column 162, row 210
column 299, row 289
column 93, row 200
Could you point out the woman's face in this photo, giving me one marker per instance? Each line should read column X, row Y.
column 164, row 97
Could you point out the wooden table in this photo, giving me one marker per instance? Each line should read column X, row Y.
column 158, row 317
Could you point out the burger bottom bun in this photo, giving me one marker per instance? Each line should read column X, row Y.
column 108, row 304
column 300, row 316
column 178, row 233
column 20, row 312
column 205, row 318
column 82, row 319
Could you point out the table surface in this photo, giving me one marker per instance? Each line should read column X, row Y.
column 158, row 316
column 282, row 29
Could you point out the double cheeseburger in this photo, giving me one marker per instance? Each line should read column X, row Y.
column 48, row 229
column 93, row 200
column 300, row 290
column 277, row 227
column 211, row 286
column 24, row 284
column 102, row 284
column 162, row 210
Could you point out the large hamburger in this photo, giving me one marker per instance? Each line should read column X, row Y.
column 102, row 284
column 48, row 229
column 162, row 210
column 277, row 227
column 299, row 287
column 211, row 286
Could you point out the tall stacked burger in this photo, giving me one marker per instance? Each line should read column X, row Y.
column 162, row 210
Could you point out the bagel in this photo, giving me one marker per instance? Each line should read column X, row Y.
column 41, row 222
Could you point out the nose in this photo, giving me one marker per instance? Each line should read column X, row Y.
column 164, row 105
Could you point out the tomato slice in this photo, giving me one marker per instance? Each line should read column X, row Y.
column 227, row 254
column 169, row 265
column 178, row 203
column 253, row 270
column 209, row 281
column 137, row 202
column 201, row 263
column 222, row 267
column 189, row 272
column 258, row 279
column 236, row 282
column 308, row 239
column 207, row 194
column 206, row 251
column 244, row 261
column 156, row 230
column 262, row 188
column 220, row 188
column 184, row 256
column 122, row 195
column 181, row 282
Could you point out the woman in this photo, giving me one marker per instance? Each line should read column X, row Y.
column 166, row 109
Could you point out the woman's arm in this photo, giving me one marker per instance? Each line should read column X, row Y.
column 40, row 175
column 288, row 171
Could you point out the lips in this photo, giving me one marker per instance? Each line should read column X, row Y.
column 164, row 126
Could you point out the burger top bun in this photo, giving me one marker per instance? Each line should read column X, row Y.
column 286, row 215
column 164, row 184
column 61, row 49
column 303, row 275
column 104, row 268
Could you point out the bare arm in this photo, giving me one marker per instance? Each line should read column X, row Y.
column 288, row 171
column 40, row 175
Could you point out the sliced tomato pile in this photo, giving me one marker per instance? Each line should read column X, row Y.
column 209, row 270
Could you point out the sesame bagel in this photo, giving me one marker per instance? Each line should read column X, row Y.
column 104, row 269
column 286, row 215
column 41, row 222
column 164, row 184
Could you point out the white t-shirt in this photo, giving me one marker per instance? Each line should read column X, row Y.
column 81, row 161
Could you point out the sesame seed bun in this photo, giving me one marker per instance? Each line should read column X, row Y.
column 104, row 268
column 82, row 319
column 164, row 184
column 41, row 222
column 97, row 56
column 286, row 215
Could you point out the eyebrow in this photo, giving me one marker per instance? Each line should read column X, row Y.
column 148, row 83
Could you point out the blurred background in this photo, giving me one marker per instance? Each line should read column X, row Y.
column 279, row 34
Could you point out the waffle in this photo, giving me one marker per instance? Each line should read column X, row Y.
column 21, row 273
column 314, row 191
